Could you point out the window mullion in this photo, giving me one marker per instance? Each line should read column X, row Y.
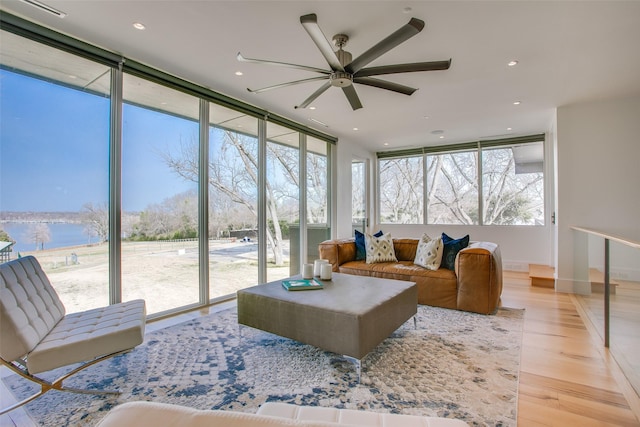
column 115, row 188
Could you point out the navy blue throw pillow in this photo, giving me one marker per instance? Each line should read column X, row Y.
column 451, row 249
column 361, row 252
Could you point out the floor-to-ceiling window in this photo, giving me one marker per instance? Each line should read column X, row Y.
column 233, row 201
column 154, row 175
column 54, row 158
column 318, row 226
column 159, row 195
column 358, row 195
column 283, row 202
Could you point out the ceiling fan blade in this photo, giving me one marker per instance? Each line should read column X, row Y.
column 352, row 96
column 413, row 27
column 296, row 82
column 404, row 68
column 314, row 95
column 310, row 23
column 383, row 84
column 281, row 64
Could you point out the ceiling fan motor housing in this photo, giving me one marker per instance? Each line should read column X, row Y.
column 341, row 79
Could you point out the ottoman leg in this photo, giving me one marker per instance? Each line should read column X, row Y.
column 358, row 365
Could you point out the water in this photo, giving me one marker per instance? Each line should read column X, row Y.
column 62, row 235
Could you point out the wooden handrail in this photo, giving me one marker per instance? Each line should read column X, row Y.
column 604, row 235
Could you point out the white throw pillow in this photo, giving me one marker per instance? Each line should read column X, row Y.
column 429, row 252
column 379, row 249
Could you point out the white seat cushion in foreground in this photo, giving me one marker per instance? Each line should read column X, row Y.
column 86, row 335
column 353, row 417
column 150, row 414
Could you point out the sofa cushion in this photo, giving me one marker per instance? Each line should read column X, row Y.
column 361, row 251
column 402, row 270
column 379, row 249
column 429, row 252
column 451, row 249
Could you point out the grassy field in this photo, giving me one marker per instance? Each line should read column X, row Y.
column 164, row 274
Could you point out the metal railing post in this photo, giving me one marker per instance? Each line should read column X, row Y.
column 606, row 293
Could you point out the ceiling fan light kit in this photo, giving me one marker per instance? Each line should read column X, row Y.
column 345, row 71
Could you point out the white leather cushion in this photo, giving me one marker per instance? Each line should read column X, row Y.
column 429, row 252
column 353, row 417
column 149, row 414
column 29, row 307
column 80, row 337
column 379, row 249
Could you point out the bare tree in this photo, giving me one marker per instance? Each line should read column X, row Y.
column 233, row 175
column 452, row 189
column 39, row 234
column 96, row 218
column 401, row 190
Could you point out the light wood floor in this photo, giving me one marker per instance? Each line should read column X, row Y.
column 567, row 378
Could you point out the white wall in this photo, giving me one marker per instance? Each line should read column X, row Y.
column 598, row 185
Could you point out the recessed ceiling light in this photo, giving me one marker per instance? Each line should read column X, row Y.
column 512, row 63
column 139, row 26
column 355, row 128
column 517, row 102
column 441, row 136
column 312, row 108
column 239, row 73
column 386, row 144
column 426, row 117
column 509, row 129
column 71, row 76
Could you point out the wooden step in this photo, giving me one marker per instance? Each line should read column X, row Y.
column 542, row 276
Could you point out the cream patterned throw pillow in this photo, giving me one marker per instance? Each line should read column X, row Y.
column 429, row 252
column 379, row 249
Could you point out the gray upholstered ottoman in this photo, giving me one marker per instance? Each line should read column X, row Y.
column 350, row 316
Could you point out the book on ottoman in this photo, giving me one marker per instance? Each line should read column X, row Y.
column 302, row 284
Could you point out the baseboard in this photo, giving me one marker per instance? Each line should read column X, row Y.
column 571, row 286
column 515, row 266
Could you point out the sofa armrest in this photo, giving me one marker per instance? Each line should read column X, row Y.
column 479, row 274
column 338, row 251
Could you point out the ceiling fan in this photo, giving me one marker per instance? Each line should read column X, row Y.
column 345, row 71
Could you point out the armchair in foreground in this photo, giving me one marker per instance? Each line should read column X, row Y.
column 36, row 335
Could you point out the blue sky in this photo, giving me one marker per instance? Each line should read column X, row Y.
column 54, row 152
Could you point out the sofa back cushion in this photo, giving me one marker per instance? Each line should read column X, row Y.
column 405, row 249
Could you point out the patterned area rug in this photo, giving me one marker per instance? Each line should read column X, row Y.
column 455, row 364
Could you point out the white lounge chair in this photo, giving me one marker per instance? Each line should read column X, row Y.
column 36, row 335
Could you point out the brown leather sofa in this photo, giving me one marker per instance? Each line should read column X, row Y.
column 475, row 285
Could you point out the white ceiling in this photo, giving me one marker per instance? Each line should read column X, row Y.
column 568, row 52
